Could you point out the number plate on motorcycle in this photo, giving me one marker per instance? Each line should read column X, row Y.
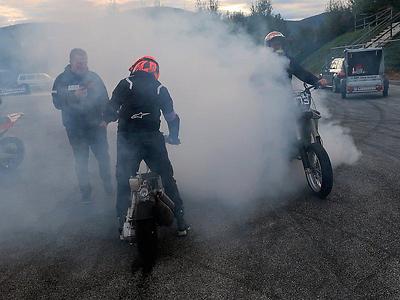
column 303, row 100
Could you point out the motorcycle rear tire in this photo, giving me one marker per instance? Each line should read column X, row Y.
column 19, row 152
column 326, row 170
column 147, row 240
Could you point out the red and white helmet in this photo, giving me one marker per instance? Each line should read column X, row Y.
column 147, row 64
column 271, row 36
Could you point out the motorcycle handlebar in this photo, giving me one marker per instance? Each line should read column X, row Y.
column 308, row 88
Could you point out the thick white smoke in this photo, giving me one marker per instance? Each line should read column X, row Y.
column 233, row 97
column 337, row 139
column 234, row 100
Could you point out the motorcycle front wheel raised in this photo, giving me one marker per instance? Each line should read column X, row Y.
column 319, row 175
column 147, row 240
column 12, row 152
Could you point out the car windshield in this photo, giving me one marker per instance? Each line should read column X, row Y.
column 337, row 63
column 364, row 63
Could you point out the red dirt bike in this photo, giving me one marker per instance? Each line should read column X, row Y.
column 12, row 150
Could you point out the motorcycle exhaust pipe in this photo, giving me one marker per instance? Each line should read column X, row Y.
column 164, row 210
column 167, row 201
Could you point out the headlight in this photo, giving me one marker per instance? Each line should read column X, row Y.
column 144, row 192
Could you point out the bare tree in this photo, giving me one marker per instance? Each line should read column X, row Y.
column 213, row 5
column 210, row 5
column 200, row 5
column 261, row 8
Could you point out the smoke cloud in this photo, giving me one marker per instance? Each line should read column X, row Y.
column 337, row 139
column 234, row 100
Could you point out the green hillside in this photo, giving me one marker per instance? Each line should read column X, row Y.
column 392, row 57
column 316, row 60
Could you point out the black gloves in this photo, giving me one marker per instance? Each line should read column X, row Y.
column 173, row 127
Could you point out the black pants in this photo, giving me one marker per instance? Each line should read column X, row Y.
column 81, row 141
column 131, row 150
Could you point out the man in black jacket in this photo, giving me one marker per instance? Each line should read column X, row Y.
column 276, row 41
column 137, row 103
column 81, row 96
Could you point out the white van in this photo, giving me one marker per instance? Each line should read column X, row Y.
column 35, row 81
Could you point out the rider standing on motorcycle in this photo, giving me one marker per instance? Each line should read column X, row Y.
column 81, row 96
column 277, row 41
column 137, row 103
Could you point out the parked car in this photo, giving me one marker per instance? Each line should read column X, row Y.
column 35, row 81
column 333, row 72
column 337, row 69
column 9, row 86
column 364, row 72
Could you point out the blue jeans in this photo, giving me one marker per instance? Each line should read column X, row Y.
column 132, row 148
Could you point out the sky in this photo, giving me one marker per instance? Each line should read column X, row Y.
column 17, row 11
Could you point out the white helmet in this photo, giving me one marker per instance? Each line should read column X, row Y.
column 273, row 35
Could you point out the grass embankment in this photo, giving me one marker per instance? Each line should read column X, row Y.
column 316, row 60
column 392, row 60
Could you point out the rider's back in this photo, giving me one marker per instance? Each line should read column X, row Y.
column 140, row 99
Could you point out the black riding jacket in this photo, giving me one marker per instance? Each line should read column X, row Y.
column 137, row 103
column 297, row 70
column 79, row 113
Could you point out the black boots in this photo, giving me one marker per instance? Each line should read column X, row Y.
column 183, row 227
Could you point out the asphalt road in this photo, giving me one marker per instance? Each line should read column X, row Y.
column 346, row 247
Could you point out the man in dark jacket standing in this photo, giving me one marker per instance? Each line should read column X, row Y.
column 137, row 103
column 81, row 96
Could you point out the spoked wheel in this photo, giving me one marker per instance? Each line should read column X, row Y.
column 12, row 152
column 147, row 242
column 320, row 174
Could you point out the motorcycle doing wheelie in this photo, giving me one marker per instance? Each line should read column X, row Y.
column 150, row 207
column 12, row 150
column 316, row 163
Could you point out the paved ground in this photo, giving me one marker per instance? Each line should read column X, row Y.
column 346, row 247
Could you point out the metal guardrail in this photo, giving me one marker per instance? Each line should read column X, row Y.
column 378, row 40
column 388, row 41
column 339, row 51
column 372, row 36
column 371, row 33
column 348, row 47
column 372, row 20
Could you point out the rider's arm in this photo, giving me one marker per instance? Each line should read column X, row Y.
column 297, row 70
column 172, row 118
column 113, row 106
column 96, row 94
